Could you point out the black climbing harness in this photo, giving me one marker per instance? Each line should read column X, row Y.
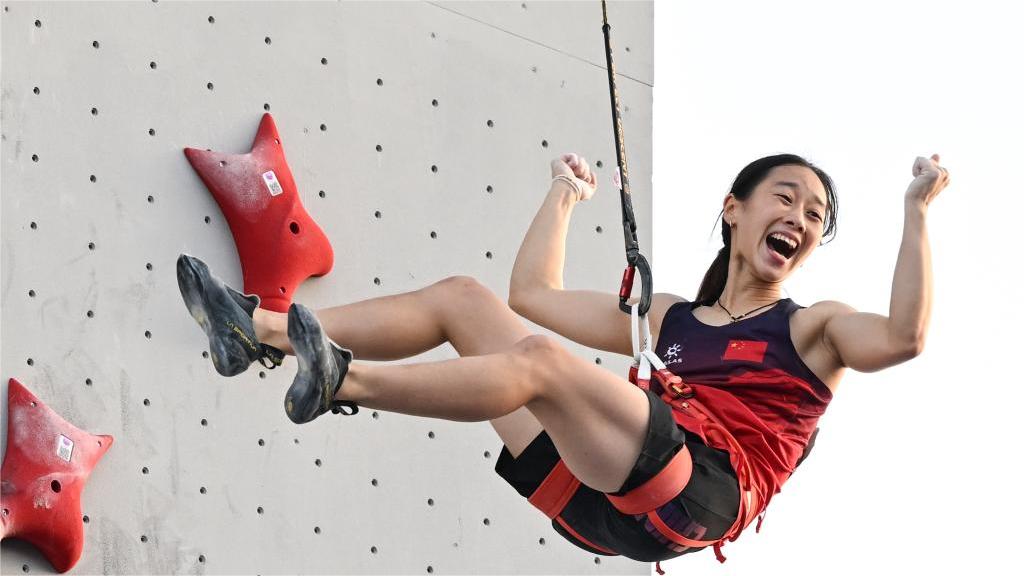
column 634, row 259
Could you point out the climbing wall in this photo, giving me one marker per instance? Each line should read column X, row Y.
column 419, row 135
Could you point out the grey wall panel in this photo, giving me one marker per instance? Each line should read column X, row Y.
column 249, row 491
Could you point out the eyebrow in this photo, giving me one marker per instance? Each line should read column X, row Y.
column 796, row 187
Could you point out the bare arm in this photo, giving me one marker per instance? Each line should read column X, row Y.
column 536, row 289
column 868, row 342
column 541, row 256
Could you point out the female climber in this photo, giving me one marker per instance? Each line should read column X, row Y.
column 757, row 370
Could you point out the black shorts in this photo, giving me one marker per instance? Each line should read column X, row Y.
column 704, row 510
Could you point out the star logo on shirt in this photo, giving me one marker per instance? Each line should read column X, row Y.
column 673, row 350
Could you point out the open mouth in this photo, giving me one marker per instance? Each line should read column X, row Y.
column 781, row 245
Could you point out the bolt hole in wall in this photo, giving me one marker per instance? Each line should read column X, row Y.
column 295, row 229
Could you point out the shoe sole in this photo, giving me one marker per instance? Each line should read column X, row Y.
column 316, row 382
column 232, row 349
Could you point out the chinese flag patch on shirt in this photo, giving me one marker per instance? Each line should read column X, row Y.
column 750, row 350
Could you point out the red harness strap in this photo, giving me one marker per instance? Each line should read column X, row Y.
column 560, row 485
column 554, row 494
column 686, row 408
column 658, row 490
column 555, row 491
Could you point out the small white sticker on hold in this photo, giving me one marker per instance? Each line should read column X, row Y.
column 65, row 447
column 617, row 178
column 270, row 179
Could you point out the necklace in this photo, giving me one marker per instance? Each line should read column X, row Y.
column 741, row 316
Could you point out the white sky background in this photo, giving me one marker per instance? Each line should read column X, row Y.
column 914, row 469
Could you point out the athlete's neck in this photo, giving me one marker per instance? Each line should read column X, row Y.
column 742, row 299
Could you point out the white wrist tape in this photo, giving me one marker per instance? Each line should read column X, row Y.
column 575, row 185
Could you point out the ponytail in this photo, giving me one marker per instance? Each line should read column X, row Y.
column 713, row 285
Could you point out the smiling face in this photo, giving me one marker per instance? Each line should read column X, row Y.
column 779, row 224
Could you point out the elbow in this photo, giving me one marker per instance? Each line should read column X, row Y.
column 516, row 300
column 907, row 343
column 918, row 346
column 519, row 300
column 912, row 348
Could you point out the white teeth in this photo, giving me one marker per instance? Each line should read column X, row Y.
column 784, row 238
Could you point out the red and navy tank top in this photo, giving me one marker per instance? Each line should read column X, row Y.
column 748, row 375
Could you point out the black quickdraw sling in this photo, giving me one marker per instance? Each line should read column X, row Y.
column 634, row 259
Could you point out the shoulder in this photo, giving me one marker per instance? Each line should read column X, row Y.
column 661, row 302
column 812, row 323
column 829, row 308
column 813, row 320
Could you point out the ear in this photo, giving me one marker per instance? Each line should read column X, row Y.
column 729, row 208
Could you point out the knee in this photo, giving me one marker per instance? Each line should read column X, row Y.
column 539, row 345
column 544, row 358
column 462, row 288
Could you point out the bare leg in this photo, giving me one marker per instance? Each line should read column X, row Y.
column 596, row 420
column 519, row 382
column 459, row 310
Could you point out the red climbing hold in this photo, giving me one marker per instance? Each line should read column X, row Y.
column 45, row 469
column 278, row 243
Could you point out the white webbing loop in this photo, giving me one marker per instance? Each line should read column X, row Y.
column 643, row 356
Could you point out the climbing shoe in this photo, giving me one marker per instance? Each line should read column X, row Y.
column 226, row 317
column 322, row 368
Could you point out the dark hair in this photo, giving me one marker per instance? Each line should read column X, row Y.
column 753, row 174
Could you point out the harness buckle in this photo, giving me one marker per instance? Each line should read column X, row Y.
column 675, row 384
column 684, row 393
